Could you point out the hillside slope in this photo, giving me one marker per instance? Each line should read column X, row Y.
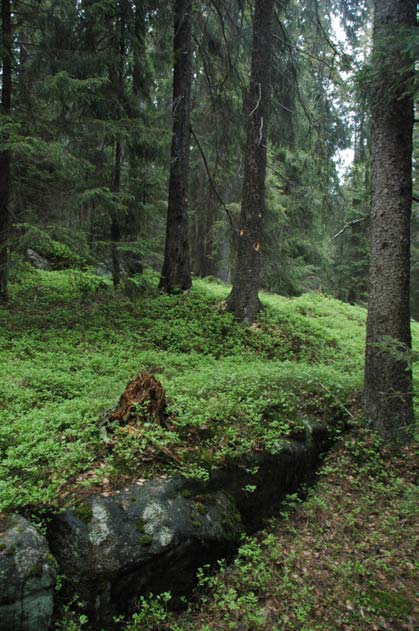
column 69, row 345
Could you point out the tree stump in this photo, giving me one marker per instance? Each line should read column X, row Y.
column 142, row 401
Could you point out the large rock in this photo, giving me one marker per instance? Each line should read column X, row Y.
column 130, row 264
column 27, row 577
column 38, row 261
column 259, row 481
column 151, row 537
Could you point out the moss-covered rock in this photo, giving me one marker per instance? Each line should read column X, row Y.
column 27, row 577
column 151, row 537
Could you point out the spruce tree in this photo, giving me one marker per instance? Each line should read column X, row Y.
column 176, row 272
column 388, row 396
column 6, row 95
column 244, row 299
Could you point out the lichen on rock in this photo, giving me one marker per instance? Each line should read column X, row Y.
column 27, row 577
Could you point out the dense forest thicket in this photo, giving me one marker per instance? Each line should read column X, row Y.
column 211, row 207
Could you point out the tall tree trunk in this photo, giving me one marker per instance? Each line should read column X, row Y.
column 176, row 272
column 204, row 246
column 208, row 262
column 244, row 299
column 115, row 225
column 140, row 73
column 388, row 378
column 118, row 82
column 6, row 93
column 141, row 85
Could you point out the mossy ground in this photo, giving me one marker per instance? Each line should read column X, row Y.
column 343, row 560
column 69, row 345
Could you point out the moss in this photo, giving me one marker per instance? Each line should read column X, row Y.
column 84, row 512
column 200, row 508
column 146, row 540
column 231, row 522
column 52, row 561
column 139, row 526
column 206, row 498
column 36, row 570
column 196, row 523
column 186, row 493
column 10, row 551
column 2, row 547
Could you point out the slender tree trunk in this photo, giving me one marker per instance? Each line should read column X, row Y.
column 140, row 74
column 5, row 153
column 388, row 378
column 208, row 263
column 141, row 84
column 244, row 300
column 205, row 263
column 176, row 272
column 115, row 226
column 118, row 81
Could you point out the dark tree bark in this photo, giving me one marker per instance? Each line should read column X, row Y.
column 140, row 73
column 205, row 259
column 176, row 272
column 117, row 76
column 388, row 378
column 115, row 224
column 141, row 85
column 244, row 300
column 6, row 95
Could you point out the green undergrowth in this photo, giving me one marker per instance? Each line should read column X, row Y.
column 343, row 560
column 69, row 344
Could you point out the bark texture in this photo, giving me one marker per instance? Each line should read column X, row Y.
column 117, row 78
column 388, row 380
column 140, row 71
column 176, row 272
column 5, row 153
column 205, row 254
column 244, row 300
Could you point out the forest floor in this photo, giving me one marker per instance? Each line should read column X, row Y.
column 343, row 559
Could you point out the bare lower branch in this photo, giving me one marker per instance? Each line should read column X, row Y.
column 346, row 226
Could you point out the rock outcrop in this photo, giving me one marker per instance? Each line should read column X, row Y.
column 38, row 261
column 150, row 537
column 27, row 576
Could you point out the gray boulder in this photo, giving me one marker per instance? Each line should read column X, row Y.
column 38, row 261
column 130, row 265
column 103, row 269
column 27, row 576
column 150, row 537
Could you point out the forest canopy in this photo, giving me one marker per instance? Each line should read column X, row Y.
column 89, row 133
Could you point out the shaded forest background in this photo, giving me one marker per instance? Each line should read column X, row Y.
column 90, row 132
